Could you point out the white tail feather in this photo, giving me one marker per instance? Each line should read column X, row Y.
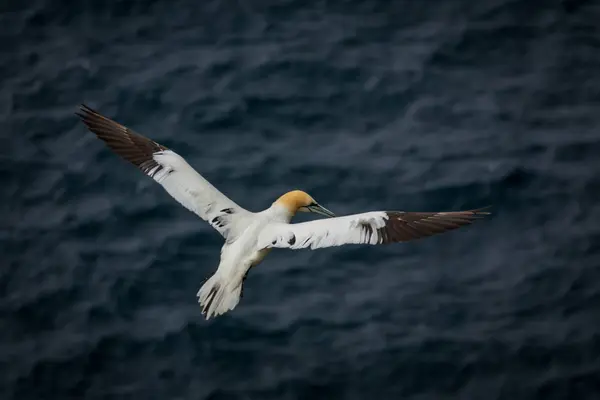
column 219, row 295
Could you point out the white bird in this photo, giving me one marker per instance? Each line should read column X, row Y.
column 249, row 236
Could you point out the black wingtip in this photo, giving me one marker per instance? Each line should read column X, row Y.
column 91, row 118
column 84, row 111
column 482, row 210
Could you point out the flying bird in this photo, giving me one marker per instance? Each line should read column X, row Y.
column 250, row 236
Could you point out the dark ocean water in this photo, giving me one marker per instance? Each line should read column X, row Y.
column 367, row 105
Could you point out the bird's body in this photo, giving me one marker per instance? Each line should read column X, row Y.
column 250, row 236
column 237, row 257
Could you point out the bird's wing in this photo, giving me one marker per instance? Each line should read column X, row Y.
column 376, row 227
column 168, row 168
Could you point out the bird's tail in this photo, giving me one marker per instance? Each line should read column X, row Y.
column 219, row 295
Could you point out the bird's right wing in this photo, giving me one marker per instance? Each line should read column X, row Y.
column 376, row 227
column 167, row 168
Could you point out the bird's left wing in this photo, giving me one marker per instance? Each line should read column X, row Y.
column 376, row 227
column 167, row 168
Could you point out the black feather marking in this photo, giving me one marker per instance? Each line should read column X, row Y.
column 227, row 210
column 211, row 296
column 368, row 230
column 292, row 240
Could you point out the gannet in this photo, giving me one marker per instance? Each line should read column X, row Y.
column 250, row 236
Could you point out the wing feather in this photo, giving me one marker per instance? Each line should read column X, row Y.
column 167, row 168
column 377, row 227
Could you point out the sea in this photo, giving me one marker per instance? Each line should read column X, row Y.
column 403, row 105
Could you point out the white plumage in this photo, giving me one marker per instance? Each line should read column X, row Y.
column 249, row 236
column 324, row 233
column 194, row 192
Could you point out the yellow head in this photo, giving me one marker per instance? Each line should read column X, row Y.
column 297, row 200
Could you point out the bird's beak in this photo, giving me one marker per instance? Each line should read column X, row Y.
column 319, row 209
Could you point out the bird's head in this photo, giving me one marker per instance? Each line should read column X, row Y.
column 299, row 201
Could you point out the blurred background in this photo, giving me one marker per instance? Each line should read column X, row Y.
column 367, row 105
